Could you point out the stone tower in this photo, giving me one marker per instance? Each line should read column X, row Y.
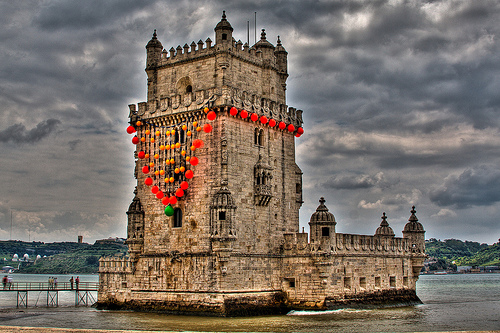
column 214, row 224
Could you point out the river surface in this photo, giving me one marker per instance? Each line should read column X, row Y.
column 451, row 303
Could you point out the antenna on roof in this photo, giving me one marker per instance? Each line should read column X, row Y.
column 248, row 32
column 255, row 27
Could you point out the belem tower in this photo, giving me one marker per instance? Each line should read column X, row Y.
column 214, row 224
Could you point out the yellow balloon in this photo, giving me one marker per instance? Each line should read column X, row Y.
column 167, row 133
column 143, row 139
column 183, row 153
column 198, row 129
column 138, row 123
column 188, row 133
column 188, row 158
column 195, row 124
column 167, row 147
column 182, row 169
column 206, row 110
column 157, row 173
column 157, row 133
column 162, row 147
column 172, row 179
column 162, row 172
column 167, row 162
column 172, row 161
column 184, row 127
column 152, row 140
column 147, row 132
column 157, row 156
column 193, row 148
column 176, row 170
column 178, row 145
column 173, row 132
column 146, row 156
column 151, row 164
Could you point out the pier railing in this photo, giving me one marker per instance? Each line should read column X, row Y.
column 83, row 291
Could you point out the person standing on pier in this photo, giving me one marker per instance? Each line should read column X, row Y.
column 71, row 282
column 4, row 280
column 77, row 280
column 55, row 283
column 9, row 281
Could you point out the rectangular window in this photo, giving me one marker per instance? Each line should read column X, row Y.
column 222, row 216
column 325, row 231
column 392, row 282
column 405, row 281
column 362, row 282
column 377, row 282
column 347, row 282
column 289, row 282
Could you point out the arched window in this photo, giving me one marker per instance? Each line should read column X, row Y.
column 189, row 88
column 256, row 136
column 177, row 218
column 261, row 138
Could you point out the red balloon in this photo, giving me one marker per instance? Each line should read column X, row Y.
column 155, row 189
column 194, row 160
column 141, row 154
column 244, row 114
column 233, row 111
column 198, row 143
column 172, row 200
column 263, row 120
column 272, row 122
column 159, row 194
column 297, row 135
column 148, row 181
column 145, row 169
column 282, row 125
column 300, row 131
column 184, row 185
column 130, row 129
column 165, row 201
column 291, row 128
column 189, row 174
column 135, row 140
column 211, row 115
column 179, row 193
column 254, row 117
column 207, row 128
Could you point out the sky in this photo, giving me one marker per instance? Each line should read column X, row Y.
column 401, row 107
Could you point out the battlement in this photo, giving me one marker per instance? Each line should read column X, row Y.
column 115, row 265
column 297, row 244
column 195, row 51
column 196, row 100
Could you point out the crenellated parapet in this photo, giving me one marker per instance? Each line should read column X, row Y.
column 115, row 265
column 182, row 106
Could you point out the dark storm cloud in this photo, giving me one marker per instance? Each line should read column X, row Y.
column 19, row 134
column 353, row 182
column 479, row 186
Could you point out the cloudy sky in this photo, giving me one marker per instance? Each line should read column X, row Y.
column 401, row 105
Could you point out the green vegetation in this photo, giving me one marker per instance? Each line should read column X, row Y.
column 452, row 252
column 70, row 258
column 9, row 248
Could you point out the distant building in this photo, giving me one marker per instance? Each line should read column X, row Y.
column 80, row 239
column 214, row 224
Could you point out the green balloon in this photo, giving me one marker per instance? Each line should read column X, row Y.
column 169, row 211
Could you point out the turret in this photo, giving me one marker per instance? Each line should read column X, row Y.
column 384, row 230
column 415, row 233
column 153, row 50
column 223, row 32
column 282, row 63
column 322, row 225
column 135, row 228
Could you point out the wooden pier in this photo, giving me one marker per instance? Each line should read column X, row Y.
column 83, row 295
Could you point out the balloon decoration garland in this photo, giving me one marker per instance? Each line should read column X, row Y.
column 168, row 152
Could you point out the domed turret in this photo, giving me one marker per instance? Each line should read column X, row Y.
column 384, row 229
column 415, row 233
column 223, row 31
column 153, row 50
column 322, row 223
column 135, row 229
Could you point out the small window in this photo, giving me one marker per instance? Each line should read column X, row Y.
column 347, row 283
column 189, row 89
column 405, row 281
column 392, row 282
column 325, row 231
column 298, row 188
column 290, row 282
column 222, row 216
column 224, row 36
column 362, row 282
column 377, row 282
column 177, row 218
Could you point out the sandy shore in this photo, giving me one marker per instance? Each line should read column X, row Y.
column 16, row 329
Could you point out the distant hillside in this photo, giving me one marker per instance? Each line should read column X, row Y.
column 9, row 248
column 447, row 254
column 70, row 258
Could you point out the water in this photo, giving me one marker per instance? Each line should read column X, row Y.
column 451, row 303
